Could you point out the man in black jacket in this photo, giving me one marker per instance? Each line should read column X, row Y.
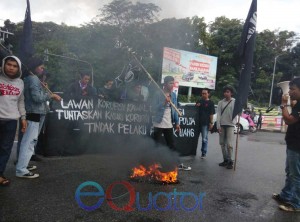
column 81, row 88
column 206, row 113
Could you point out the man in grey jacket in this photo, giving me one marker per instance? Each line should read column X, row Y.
column 36, row 108
column 225, row 125
column 11, row 109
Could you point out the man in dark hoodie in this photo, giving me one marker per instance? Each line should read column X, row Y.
column 11, row 109
column 36, row 97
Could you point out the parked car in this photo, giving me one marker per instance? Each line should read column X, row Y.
column 244, row 124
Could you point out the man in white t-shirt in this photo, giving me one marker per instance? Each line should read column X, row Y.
column 166, row 115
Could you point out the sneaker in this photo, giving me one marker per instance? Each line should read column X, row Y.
column 289, row 208
column 203, row 156
column 229, row 165
column 29, row 175
column 35, row 158
column 278, row 198
column 224, row 163
column 183, row 167
column 31, row 167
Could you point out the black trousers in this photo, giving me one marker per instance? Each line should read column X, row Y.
column 7, row 135
column 258, row 125
column 168, row 135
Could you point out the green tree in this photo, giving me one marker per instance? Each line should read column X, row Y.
column 124, row 27
column 128, row 19
column 224, row 37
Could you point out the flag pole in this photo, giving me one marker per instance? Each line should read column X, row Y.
column 26, row 44
column 246, row 52
column 43, row 84
column 150, row 77
column 236, row 143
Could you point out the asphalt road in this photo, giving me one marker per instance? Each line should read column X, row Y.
column 224, row 195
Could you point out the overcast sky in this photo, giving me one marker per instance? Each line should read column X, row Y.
column 272, row 14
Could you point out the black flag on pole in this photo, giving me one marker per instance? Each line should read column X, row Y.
column 128, row 74
column 246, row 51
column 26, row 43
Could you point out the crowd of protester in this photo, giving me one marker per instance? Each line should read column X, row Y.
column 24, row 96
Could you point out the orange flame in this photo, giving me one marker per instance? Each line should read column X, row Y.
column 154, row 173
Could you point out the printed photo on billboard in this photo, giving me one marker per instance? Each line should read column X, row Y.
column 189, row 68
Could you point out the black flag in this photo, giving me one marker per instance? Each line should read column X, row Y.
column 128, row 74
column 26, row 44
column 246, row 50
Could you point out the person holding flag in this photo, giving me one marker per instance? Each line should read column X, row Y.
column 36, row 97
column 165, row 115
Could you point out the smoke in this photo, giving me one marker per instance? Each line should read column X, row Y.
column 130, row 149
column 140, row 150
column 180, row 9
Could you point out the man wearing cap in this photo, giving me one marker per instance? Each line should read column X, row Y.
column 36, row 108
column 225, row 125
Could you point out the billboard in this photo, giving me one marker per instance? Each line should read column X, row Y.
column 190, row 69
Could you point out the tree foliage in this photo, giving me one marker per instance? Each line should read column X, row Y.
column 123, row 28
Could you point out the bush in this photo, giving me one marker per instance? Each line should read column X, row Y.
column 184, row 98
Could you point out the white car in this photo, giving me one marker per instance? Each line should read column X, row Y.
column 244, row 124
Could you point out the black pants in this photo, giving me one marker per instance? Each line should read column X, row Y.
column 7, row 136
column 258, row 125
column 168, row 135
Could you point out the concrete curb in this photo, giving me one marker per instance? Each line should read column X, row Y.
column 270, row 130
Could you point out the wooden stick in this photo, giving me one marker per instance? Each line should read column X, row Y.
column 236, row 143
column 31, row 73
column 150, row 77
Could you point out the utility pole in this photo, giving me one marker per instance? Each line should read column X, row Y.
column 272, row 84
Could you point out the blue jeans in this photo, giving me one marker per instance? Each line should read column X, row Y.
column 20, row 135
column 204, row 133
column 7, row 136
column 291, row 190
column 27, row 145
